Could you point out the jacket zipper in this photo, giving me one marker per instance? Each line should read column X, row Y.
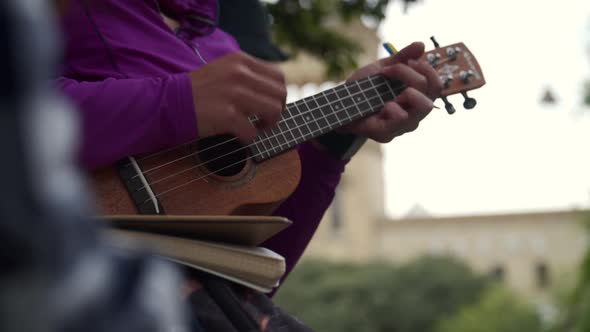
column 188, row 43
column 196, row 49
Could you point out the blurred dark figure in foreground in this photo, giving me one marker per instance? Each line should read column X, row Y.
column 55, row 275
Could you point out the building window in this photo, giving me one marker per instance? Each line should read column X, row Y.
column 459, row 247
column 484, row 246
column 538, row 246
column 542, row 275
column 512, row 242
column 436, row 247
column 497, row 273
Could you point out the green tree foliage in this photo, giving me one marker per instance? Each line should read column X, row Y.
column 575, row 315
column 302, row 25
column 379, row 297
column 498, row 310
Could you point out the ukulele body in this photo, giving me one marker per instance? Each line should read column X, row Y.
column 182, row 187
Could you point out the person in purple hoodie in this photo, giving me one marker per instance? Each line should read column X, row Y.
column 150, row 74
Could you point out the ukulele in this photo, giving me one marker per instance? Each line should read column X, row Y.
column 219, row 176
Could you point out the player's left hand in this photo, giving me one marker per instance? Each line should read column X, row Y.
column 404, row 113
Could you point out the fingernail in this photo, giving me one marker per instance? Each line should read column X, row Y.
column 412, row 62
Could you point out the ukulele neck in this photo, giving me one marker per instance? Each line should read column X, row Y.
column 316, row 115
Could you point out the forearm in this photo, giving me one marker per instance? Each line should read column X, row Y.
column 131, row 116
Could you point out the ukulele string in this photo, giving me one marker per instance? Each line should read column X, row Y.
column 151, row 170
column 230, row 165
column 221, row 169
column 228, row 141
column 244, row 147
column 190, row 154
column 252, row 119
column 153, row 155
column 161, row 152
column 221, row 143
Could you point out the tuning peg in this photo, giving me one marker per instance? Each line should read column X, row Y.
column 446, row 80
column 452, row 52
column 448, row 106
column 469, row 102
column 465, row 75
column 434, row 42
column 433, row 58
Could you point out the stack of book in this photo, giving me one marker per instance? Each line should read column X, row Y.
column 225, row 246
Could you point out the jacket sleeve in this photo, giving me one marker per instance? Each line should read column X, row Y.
column 320, row 174
column 120, row 117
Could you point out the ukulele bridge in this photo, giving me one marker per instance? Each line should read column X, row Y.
column 138, row 187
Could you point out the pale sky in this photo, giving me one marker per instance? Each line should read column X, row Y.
column 510, row 153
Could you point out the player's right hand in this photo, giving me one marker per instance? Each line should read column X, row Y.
column 227, row 91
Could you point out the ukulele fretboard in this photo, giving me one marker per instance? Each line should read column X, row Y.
column 316, row 115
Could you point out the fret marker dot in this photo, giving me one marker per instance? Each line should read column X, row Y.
column 337, row 106
column 358, row 98
column 308, row 118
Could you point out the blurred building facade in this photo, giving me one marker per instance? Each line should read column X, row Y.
column 532, row 252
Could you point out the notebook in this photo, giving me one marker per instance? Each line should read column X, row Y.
column 225, row 246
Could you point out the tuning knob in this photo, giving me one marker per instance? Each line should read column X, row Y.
column 465, row 75
column 433, row 58
column 469, row 102
column 452, row 53
column 434, row 42
column 448, row 106
column 446, row 80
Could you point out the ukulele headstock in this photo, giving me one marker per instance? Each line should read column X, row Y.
column 458, row 70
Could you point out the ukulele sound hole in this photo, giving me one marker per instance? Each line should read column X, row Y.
column 222, row 155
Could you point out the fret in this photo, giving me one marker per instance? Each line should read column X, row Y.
column 273, row 140
column 357, row 98
column 350, row 109
column 278, row 136
column 268, row 141
column 259, row 153
column 321, row 100
column 345, row 102
column 286, row 131
column 393, row 94
column 301, row 123
column 317, row 113
column 255, row 149
column 375, row 99
column 291, row 123
column 339, row 109
column 265, row 144
column 331, row 116
column 341, row 92
column 371, row 93
column 365, row 105
column 332, row 110
column 253, row 118
column 383, row 88
column 308, row 117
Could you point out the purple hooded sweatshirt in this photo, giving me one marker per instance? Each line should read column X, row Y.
column 127, row 72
